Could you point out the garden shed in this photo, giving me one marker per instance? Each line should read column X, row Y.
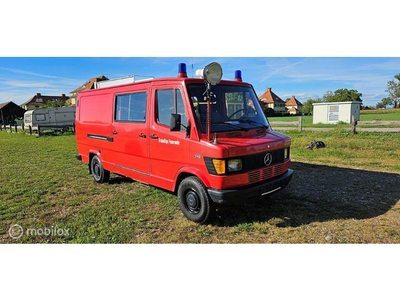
column 9, row 111
column 335, row 112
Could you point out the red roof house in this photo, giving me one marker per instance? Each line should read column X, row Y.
column 270, row 100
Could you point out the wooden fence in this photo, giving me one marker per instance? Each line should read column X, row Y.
column 9, row 127
column 39, row 129
column 391, row 126
column 396, row 123
column 394, row 126
column 298, row 124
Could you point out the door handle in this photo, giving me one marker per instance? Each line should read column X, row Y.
column 114, row 132
column 154, row 137
column 142, row 135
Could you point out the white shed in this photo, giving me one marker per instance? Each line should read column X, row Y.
column 334, row 112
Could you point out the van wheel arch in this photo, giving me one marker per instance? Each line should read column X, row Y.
column 91, row 155
column 184, row 175
column 194, row 201
column 99, row 174
column 180, row 178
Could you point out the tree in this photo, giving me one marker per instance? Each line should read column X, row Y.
column 328, row 97
column 342, row 95
column 385, row 101
column 369, row 107
column 308, row 106
column 393, row 88
column 55, row 103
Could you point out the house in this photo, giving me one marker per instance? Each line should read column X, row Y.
column 270, row 100
column 88, row 85
column 9, row 111
column 293, row 106
column 39, row 100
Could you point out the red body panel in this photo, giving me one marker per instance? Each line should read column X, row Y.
column 127, row 149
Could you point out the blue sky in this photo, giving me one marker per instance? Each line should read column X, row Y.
column 23, row 77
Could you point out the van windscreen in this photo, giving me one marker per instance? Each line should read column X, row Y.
column 232, row 108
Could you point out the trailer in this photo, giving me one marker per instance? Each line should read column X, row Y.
column 52, row 118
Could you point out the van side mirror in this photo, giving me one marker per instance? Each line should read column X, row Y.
column 175, row 122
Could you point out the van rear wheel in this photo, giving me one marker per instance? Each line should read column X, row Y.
column 194, row 201
column 100, row 175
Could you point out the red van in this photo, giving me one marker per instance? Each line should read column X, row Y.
column 205, row 139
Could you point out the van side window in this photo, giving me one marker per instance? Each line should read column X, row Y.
column 169, row 102
column 131, row 107
column 180, row 107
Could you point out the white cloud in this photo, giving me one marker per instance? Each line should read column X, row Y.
column 16, row 96
column 55, row 79
column 389, row 65
column 286, row 67
column 26, row 84
column 29, row 73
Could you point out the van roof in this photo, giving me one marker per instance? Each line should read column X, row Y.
column 166, row 80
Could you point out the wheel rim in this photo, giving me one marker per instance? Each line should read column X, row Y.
column 96, row 170
column 192, row 202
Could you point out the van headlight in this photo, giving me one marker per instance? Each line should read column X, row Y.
column 234, row 165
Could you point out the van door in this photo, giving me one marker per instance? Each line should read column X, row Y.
column 169, row 151
column 130, row 135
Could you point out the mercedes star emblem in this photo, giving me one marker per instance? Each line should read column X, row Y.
column 268, row 159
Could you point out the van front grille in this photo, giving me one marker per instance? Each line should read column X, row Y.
column 265, row 173
column 256, row 161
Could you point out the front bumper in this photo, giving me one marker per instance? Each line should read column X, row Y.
column 251, row 192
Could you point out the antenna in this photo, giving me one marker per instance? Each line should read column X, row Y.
column 192, row 67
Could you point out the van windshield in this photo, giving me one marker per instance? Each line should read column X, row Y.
column 232, row 108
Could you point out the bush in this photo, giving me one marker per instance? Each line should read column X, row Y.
column 269, row 112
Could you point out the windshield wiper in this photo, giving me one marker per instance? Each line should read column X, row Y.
column 230, row 124
column 252, row 122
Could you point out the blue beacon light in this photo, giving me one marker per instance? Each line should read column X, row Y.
column 238, row 75
column 182, row 70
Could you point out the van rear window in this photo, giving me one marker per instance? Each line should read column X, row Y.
column 131, row 107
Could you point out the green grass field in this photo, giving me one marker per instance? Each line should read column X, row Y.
column 346, row 193
column 380, row 115
column 365, row 115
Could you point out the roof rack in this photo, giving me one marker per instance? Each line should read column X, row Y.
column 120, row 81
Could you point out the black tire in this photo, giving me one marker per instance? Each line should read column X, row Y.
column 100, row 175
column 194, row 201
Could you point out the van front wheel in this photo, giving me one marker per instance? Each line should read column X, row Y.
column 194, row 200
column 100, row 175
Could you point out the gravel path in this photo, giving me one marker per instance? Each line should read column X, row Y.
column 331, row 129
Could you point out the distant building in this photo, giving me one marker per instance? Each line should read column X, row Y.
column 39, row 100
column 88, row 85
column 335, row 112
column 9, row 111
column 294, row 107
column 271, row 100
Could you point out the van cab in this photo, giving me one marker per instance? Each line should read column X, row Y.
column 205, row 139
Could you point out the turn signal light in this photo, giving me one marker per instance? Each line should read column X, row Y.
column 219, row 166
